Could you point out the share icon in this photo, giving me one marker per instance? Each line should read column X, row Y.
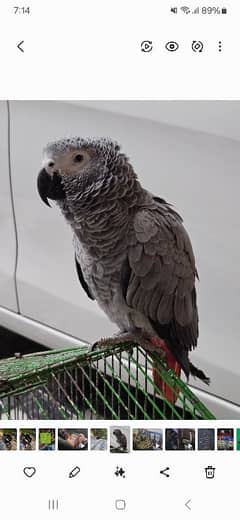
column 164, row 472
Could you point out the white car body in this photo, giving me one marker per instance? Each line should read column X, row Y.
column 185, row 152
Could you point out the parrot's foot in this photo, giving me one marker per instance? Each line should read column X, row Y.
column 135, row 337
column 117, row 339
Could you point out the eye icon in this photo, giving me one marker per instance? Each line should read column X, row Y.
column 172, row 46
column 146, row 46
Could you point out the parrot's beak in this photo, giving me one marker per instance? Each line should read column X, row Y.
column 50, row 187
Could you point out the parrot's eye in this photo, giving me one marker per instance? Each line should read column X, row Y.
column 78, row 158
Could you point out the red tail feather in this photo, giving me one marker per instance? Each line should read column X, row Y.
column 171, row 363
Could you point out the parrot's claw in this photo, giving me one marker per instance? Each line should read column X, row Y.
column 109, row 342
column 98, row 344
column 136, row 338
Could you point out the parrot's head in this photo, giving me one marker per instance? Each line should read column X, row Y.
column 75, row 164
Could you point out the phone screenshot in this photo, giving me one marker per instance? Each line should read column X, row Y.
column 119, row 259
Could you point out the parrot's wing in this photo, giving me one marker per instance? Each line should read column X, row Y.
column 82, row 280
column 158, row 278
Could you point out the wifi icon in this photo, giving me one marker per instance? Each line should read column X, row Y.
column 186, row 10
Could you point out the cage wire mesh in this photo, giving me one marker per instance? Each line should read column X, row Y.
column 75, row 383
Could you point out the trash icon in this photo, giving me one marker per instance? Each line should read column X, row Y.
column 210, row 472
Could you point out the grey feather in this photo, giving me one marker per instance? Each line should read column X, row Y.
column 82, row 281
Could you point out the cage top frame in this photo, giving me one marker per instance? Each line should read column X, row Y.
column 23, row 374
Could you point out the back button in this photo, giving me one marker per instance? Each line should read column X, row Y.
column 20, row 46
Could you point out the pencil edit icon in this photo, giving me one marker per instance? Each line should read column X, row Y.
column 74, row 472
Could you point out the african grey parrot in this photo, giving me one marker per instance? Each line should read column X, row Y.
column 132, row 253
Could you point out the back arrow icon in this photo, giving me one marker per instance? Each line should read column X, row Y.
column 19, row 46
column 187, row 504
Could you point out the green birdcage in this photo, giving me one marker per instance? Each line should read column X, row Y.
column 74, row 383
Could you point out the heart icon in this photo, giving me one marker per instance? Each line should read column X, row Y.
column 29, row 471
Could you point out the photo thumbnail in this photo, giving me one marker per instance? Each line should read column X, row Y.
column 8, row 439
column 73, row 439
column 46, row 439
column 147, row 439
column 238, row 439
column 27, row 439
column 206, row 439
column 225, row 439
column 98, row 439
column 180, row 439
column 119, row 439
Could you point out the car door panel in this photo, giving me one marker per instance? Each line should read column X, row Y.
column 8, row 297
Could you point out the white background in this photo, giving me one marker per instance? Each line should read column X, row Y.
column 147, row 493
column 78, row 49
